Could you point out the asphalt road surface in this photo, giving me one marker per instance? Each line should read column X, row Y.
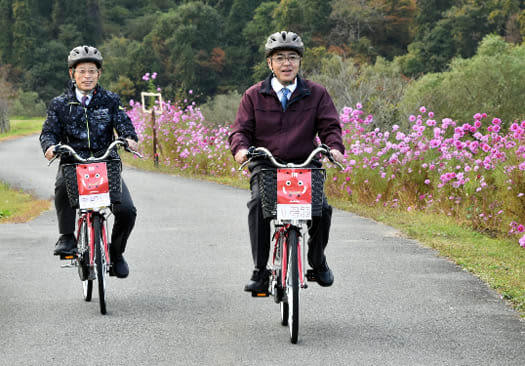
column 393, row 302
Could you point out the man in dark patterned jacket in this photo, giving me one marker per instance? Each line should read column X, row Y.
column 85, row 118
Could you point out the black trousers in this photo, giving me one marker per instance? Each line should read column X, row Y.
column 125, row 214
column 260, row 229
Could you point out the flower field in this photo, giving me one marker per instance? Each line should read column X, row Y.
column 472, row 171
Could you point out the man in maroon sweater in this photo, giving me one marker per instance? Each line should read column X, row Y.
column 284, row 113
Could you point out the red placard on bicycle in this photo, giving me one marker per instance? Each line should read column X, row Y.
column 93, row 186
column 294, row 194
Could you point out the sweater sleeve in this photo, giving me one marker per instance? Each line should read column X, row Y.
column 328, row 124
column 243, row 128
column 51, row 130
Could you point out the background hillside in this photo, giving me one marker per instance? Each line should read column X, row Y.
column 365, row 51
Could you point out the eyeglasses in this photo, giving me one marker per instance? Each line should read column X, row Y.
column 291, row 58
column 84, row 72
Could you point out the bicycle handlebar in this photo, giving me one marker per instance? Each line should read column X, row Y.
column 62, row 149
column 261, row 152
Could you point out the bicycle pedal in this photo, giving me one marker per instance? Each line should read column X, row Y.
column 260, row 294
column 310, row 275
column 67, row 256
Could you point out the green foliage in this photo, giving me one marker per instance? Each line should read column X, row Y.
column 124, row 87
column 221, row 109
column 185, row 42
column 214, row 46
column 28, row 105
column 490, row 82
column 48, row 73
column 379, row 87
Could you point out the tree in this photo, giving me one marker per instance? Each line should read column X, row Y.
column 6, row 91
column 183, row 41
column 355, row 18
column 93, row 26
column 289, row 16
column 24, row 34
column 6, row 37
column 48, row 73
column 316, row 15
column 395, row 33
column 490, row 82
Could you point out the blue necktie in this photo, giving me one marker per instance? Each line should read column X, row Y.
column 284, row 100
column 84, row 100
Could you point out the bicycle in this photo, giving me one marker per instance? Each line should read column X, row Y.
column 92, row 185
column 290, row 195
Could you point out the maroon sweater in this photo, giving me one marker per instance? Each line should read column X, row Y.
column 289, row 135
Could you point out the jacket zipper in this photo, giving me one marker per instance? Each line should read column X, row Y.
column 87, row 124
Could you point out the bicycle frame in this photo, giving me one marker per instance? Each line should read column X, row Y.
column 86, row 215
column 90, row 178
column 294, row 209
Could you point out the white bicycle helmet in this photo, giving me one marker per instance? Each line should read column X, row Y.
column 84, row 54
column 284, row 41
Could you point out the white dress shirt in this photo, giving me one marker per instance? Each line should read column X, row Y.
column 278, row 87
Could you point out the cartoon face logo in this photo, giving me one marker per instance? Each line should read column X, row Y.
column 92, row 178
column 294, row 186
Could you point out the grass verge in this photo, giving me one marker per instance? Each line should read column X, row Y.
column 499, row 262
column 17, row 206
column 22, row 127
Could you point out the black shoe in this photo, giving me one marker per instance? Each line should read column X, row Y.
column 66, row 244
column 324, row 275
column 259, row 281
column 120, row 267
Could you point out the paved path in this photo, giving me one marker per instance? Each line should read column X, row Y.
column 393, row 302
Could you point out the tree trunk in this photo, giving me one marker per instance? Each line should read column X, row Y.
column 4, row 120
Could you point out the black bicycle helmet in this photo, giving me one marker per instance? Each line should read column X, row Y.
column 284, row 41
column 84, row 54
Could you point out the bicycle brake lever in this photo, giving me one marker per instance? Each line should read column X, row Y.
column 243, row 165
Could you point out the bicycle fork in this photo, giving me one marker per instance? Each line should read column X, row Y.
column 284, row 257
column 88, row 217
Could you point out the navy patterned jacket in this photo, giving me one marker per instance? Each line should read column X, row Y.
column 89, row 130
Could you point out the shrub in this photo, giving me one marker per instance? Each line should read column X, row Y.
column 221, row 109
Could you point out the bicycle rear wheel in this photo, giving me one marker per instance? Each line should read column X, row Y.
column 100, row 262
column 83, row 261
column 292, row 286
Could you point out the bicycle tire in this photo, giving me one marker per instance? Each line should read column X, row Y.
column 83, row 261
column 292, row 286
column 100, row 263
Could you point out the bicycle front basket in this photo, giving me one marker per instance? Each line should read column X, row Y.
column 268, row 191
column 114, row 168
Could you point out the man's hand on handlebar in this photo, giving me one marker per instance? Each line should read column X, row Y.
column 132, row 144
column 241, row 156
column 336, row 154
column 50, row 152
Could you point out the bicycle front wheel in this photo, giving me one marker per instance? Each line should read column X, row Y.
column 292, row 285
column 280, row 289
column 100, row 262
column 83, row 260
